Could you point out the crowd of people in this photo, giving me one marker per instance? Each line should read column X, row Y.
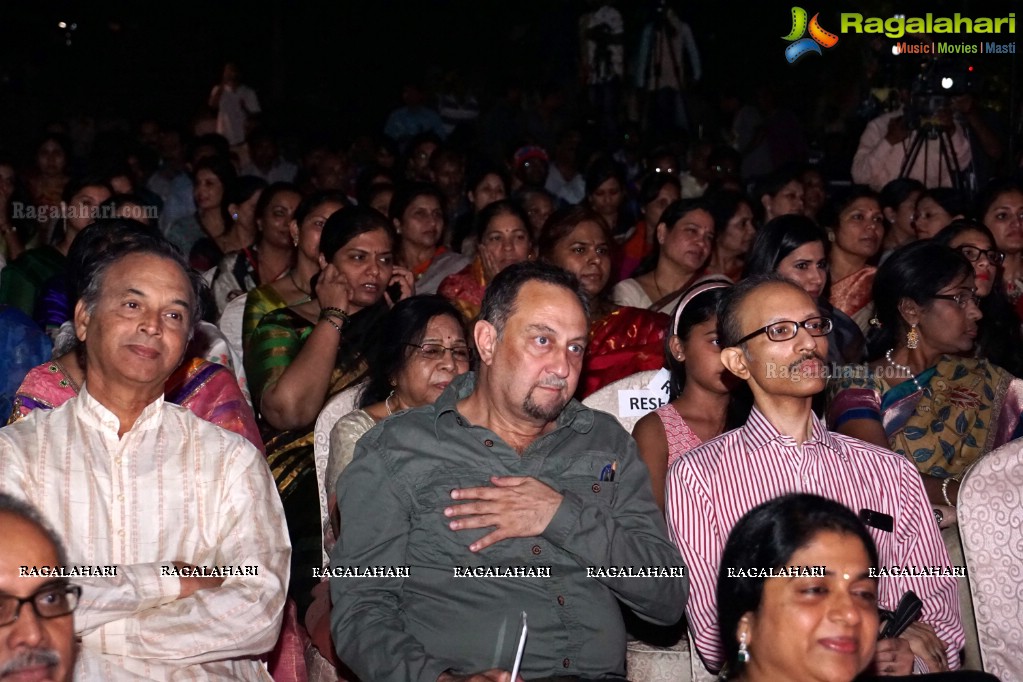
column 175, row 322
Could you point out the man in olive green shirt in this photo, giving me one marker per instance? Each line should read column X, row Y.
column 505, row 496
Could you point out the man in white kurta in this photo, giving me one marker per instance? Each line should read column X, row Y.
column 132, row 481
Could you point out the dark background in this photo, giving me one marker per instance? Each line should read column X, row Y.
column 339, row 66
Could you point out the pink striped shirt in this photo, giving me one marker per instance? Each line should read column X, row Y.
column 714, row 485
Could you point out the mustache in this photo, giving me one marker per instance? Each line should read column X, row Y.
column 553, row 383
column 33, row 658
column 805, row 357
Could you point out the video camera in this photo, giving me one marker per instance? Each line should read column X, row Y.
column 940, row 79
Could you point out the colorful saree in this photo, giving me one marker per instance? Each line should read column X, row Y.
column 627, row 341
column 258, row 302
column 275, row 343
column 853, row 295
column 965, row 408
column 206, row 389
column 465, row 289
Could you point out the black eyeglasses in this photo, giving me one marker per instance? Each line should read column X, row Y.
column 787, row 329
column 973, row 254
column 52, row 601
column 961, row 299
column 435, row 351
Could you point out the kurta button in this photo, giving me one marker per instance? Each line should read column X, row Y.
column 561, row 600
column 536, row 549
column 489, row 443
column 595, row 487
column 565, row 663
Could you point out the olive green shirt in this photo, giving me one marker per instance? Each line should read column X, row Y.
column 392, row 499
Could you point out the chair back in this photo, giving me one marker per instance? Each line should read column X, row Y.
column 337, row 407
column 631, row 397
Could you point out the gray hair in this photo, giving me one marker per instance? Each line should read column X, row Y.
column 25, row 511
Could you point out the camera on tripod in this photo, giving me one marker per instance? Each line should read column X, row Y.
column 930, row 95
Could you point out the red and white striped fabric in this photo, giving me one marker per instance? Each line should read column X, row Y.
column 710, row 488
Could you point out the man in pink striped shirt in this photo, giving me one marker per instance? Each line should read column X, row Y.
column 772, row 337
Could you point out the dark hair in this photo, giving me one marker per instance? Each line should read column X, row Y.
column 112, row 206
column 346, row 225
column 221, row 147
column 916, row 271
column 28, row 513
column 833, row 209
column 272, row 191
column 601, row 170
column 224, row 170
column 76, row 185
column 314, row 201
column 729, row 331
column 771, row 184
column 405, row 324
column 106, row 242
column 994, row 189
column 560, row 223
column 501, row 293
column 369, row 177
column 654, row 183
column 242, row 189
column 675, row 211
column 698, row 310
column 766, row 537
column 499, row 208
column 62, row 140
column 480, row 170
column 899, row 190
column 777, row 239
column 1000, row 339
column 408, row 192
column 723, row 205
column 952, row 201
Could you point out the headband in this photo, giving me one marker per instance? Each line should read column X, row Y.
column 704, row 284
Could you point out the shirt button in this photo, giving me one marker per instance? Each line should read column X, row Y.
column 489, row 443
column 565, row 663
column 120, row 498
column 536, row 549
column 595, row 487
column 561, row 600
column 121, row 533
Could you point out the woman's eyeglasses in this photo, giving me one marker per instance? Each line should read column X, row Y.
column 973, row 254
column 435, row 351
column 961, row 299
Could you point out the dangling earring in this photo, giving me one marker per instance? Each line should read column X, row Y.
column 912, row 337
column 743, row 650
column 294, row 240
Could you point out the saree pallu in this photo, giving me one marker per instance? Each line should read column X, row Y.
column 206, row 389
column 22, row 347
column 258, row 302
column 853, row 295
column 465, row 289
column 627, row 341
column 964, row 409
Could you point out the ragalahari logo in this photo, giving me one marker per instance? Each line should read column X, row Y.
column 818, row 36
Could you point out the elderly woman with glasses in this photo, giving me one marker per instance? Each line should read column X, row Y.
column 999, row 338
column 925, row 396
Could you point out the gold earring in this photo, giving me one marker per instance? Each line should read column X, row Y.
column 912, row 337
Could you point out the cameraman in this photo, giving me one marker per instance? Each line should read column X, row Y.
column 887, row 140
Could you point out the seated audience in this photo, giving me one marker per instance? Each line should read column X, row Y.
column 734, row 232
column 270, row 256
column 936, row 208
column 857, row 225
column 658, row 191
column 23, row 346
column 139, row 483
column 304, row 231
column 502, row 232
column 37, row 636
column 1000, row 208
column 706, row 400
column 486, row 184
column 898, row 203
column 623, row 340
column 538, row 204
column 801, row 628
column 304, row 353
column 815, row 191
column 685, row 237
column 501, row 472
column 605, row 194
column 773, row 337
column 195, row 234
column 780, row 194
column 999, row 337
column 793, row 246
column 421, row 347
column 417, row 211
